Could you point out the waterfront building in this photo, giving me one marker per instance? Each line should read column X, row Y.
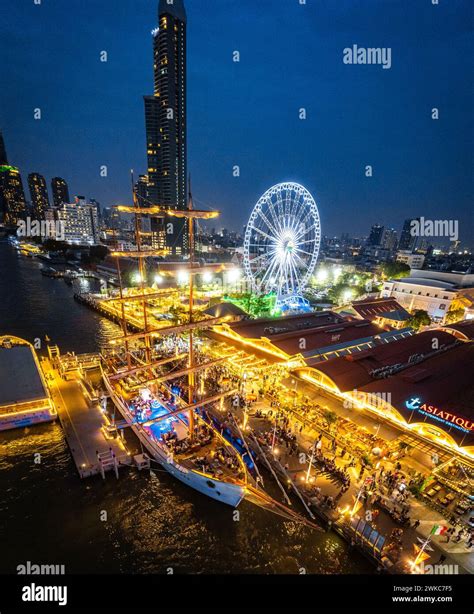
column 39, row 195
column 165, row 119
column 60, row 191
column 75, row 223
column 24, row 394
column 295, row 340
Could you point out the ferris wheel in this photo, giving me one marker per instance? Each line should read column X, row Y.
column 282, row 240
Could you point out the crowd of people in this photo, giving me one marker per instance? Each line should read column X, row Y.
column 217, row 462
column 202, row 437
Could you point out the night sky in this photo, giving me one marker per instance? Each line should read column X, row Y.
column 246, row 113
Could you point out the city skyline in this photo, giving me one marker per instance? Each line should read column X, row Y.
column 237, row 316
column 420, row 165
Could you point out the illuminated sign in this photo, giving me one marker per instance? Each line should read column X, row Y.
column 463, row 424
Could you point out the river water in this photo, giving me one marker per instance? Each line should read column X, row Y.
column 152, row 522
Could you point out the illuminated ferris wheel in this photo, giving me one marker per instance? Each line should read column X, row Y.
column 282, row 240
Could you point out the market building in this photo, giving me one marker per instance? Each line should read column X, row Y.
column 297, row 339
column 421, row 383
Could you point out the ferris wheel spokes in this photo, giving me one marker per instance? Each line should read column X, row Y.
column 282, row 241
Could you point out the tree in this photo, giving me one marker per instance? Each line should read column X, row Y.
column 330, row 416
column 394, row 270
column 454, row 315
column 419, row 318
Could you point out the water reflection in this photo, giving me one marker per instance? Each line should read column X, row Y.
column 153, row 521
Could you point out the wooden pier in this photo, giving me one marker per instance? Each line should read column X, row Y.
column 94, row 449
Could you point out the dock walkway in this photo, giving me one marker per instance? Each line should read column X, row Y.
column 84, row 425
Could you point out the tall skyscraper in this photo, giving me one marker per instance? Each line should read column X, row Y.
column 376, row 235
column 60, row 191
column 408, row 241
column 141, row 190
column 165, row 120
column 3, row 151
column 389, row 239
column 12, row 196
column 39, row 194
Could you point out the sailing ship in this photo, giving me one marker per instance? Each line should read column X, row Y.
column 173, row 430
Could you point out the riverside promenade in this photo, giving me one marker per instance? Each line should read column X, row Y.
column 260, row 421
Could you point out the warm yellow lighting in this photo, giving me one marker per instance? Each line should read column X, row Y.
column 183, row 277
column 322, row 275
column 233, row 275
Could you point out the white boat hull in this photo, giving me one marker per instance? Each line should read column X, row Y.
column 225, row 492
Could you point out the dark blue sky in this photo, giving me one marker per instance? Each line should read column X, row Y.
column 246, row 113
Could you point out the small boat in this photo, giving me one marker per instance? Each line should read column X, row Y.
column 50, row 272
column 70, row 276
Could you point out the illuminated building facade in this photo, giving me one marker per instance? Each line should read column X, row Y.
column 420, row 383
column 430, row 295
column 39, row 195
column 60, row 191
column 77, row 223
column 165, row 119
column 24, row 394
column 12, row 196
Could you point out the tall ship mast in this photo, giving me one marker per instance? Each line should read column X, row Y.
column 147, row 372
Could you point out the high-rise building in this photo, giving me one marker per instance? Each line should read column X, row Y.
column 389, row 239
column 141, row 190
column 60, row 191
column 165, row 119
column 376, row 235
column 12, row 196
column 39, row 195
column 3, row 151
column 408, row 241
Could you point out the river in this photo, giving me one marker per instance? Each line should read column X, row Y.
column 151, row 522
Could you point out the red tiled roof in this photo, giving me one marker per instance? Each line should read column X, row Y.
column 445, row 380
column 352, row 371
column 269, row 327
column 376, row 307
column 321, row 337
column 465, row 327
